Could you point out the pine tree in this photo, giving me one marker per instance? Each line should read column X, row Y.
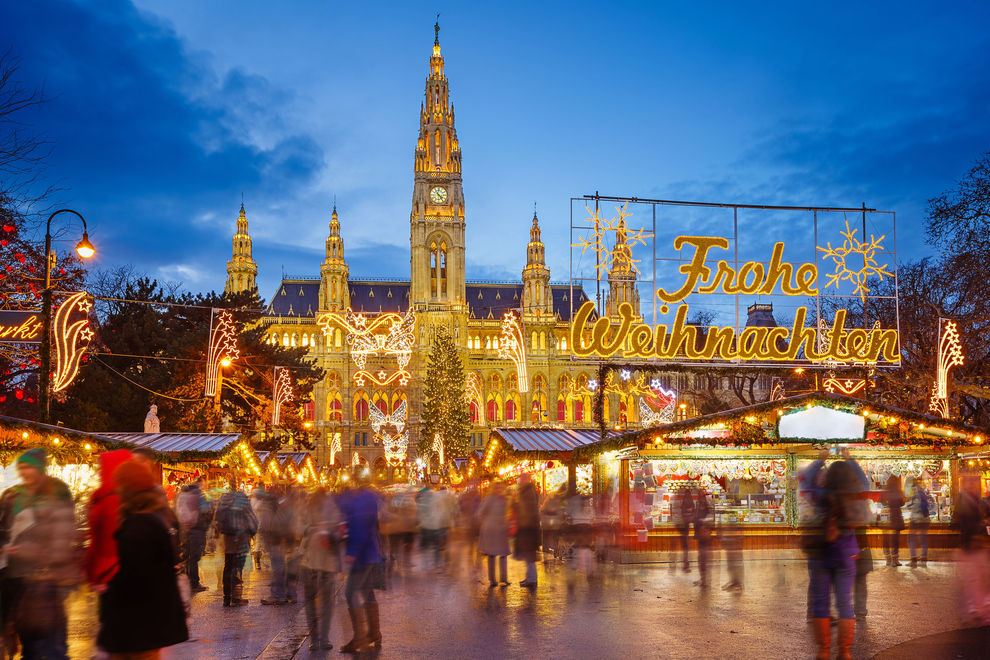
column 445, row 410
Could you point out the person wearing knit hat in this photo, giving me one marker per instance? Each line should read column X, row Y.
column 35, row 458
column 38, row 531
column 142, row 609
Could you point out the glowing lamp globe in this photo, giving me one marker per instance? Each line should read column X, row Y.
column 84, row 248
column 225, row 362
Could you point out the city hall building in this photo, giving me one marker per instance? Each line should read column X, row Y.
column 560, row 390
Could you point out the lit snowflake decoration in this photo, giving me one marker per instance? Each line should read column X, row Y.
column 593, row 384
column 851, row 251
column 626, row 374
column 621, row 256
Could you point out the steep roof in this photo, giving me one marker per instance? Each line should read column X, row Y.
column 300, row 297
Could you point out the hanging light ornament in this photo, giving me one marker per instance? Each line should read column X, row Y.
column 949, row 355
column 472, row 394
column 335, row 446
column 437, row 449
column 223, row 347
column 281, row 394
column 71, row 338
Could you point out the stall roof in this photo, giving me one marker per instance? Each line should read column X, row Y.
column 177, row 442
column 547, row 439
column 283, row 457
column 929, row 427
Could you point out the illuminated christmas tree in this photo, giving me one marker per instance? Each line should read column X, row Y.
column 445, row 411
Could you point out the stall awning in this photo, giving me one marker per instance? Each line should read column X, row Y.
column 546, row 439
column 177, row 442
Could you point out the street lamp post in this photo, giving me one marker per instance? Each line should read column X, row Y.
column 85, row 250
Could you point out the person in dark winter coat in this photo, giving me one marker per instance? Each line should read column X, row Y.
column 236, row 521
column 142, row 609
column 526, row 507
column 194, row 514
column 360, row 510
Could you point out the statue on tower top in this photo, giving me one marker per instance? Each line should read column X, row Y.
column 436, row 30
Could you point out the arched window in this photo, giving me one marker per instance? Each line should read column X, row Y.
column 561, row 410
column 335, row 411
column 623, row 419
column 295, row 340
column 380, row 400
column 495, row 343
column 337, row 338
column 474, row 412
column 494, row 383
column 361, row 407
column 563, row 343
column 285, row 339
column 433, row 268
column 578, row 410
column 443, row 269
column 532, row 341
column 305, row 339
column 492, row 409
column 488, row 343
column 543, row 340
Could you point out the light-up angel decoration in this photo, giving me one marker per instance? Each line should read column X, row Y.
column 281, row 393
column 656, row 397
column 388, row 334
column 222, row 349
column 650, row 417
column 949, row 355
column 513, row 347
column 394, row 444
column 72, row 335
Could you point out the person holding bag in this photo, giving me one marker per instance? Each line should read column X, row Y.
column 142, row 608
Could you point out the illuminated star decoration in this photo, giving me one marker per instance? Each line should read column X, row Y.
column 281, row 393
column 847, row 258
column 513, row 347
column 71, row 339
column 472, row 393
column 949, row 355
column 395, row 445
column 223, row 345
column 848, row 386
column 596, row 241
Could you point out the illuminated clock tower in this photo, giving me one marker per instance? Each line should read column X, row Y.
column 436, row 234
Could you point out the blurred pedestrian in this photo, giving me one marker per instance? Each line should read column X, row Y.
column 363, row 556
column 832, row 554
column 893, row 498
column 103, row 519
column 730, row 536
column 526, row 508
column 272, row 532
column 237, row 522
column 194, row 514
column 972, row 517
column 436, row 514
column 38, row 532
column 398, row 527
column 861, row 516
column 682, row 511
column 258, row 496
column 703, row 517
column 320, row 562
column 142, row 609
column 919, row 509
column 291, row 528
column 552, row 520
column 493, row 541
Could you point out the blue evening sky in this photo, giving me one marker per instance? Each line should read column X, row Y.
column 163, row 112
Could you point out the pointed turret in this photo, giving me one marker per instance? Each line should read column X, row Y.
column 242, row 271
column 437, row 216
column 334, row 292
column 536, row 275
column 622, row 275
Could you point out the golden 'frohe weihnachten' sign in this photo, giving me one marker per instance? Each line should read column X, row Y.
column 624, row 336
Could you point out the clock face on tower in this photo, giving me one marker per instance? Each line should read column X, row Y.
column 438, row 195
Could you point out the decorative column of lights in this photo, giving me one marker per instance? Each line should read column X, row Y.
column 437, row 449
column 356, row 459
column 85, row 250
column 281, row 393
column 249, row 458
column 949, row 355
column 222, row 349
column 473, row 393
column 513, row 347
column 335, row 447
column 72, row 336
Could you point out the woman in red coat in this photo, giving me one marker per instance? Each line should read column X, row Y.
column 102, row 513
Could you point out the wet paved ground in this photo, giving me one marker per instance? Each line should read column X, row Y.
column 645, row 611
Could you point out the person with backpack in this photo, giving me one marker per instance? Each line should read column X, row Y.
column 193, row 511
column 237, row 522
column 920, row 510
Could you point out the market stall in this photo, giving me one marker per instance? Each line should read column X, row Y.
column 546, row 453
column 747, row 463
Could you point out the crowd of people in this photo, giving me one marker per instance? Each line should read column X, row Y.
column 141, row 553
